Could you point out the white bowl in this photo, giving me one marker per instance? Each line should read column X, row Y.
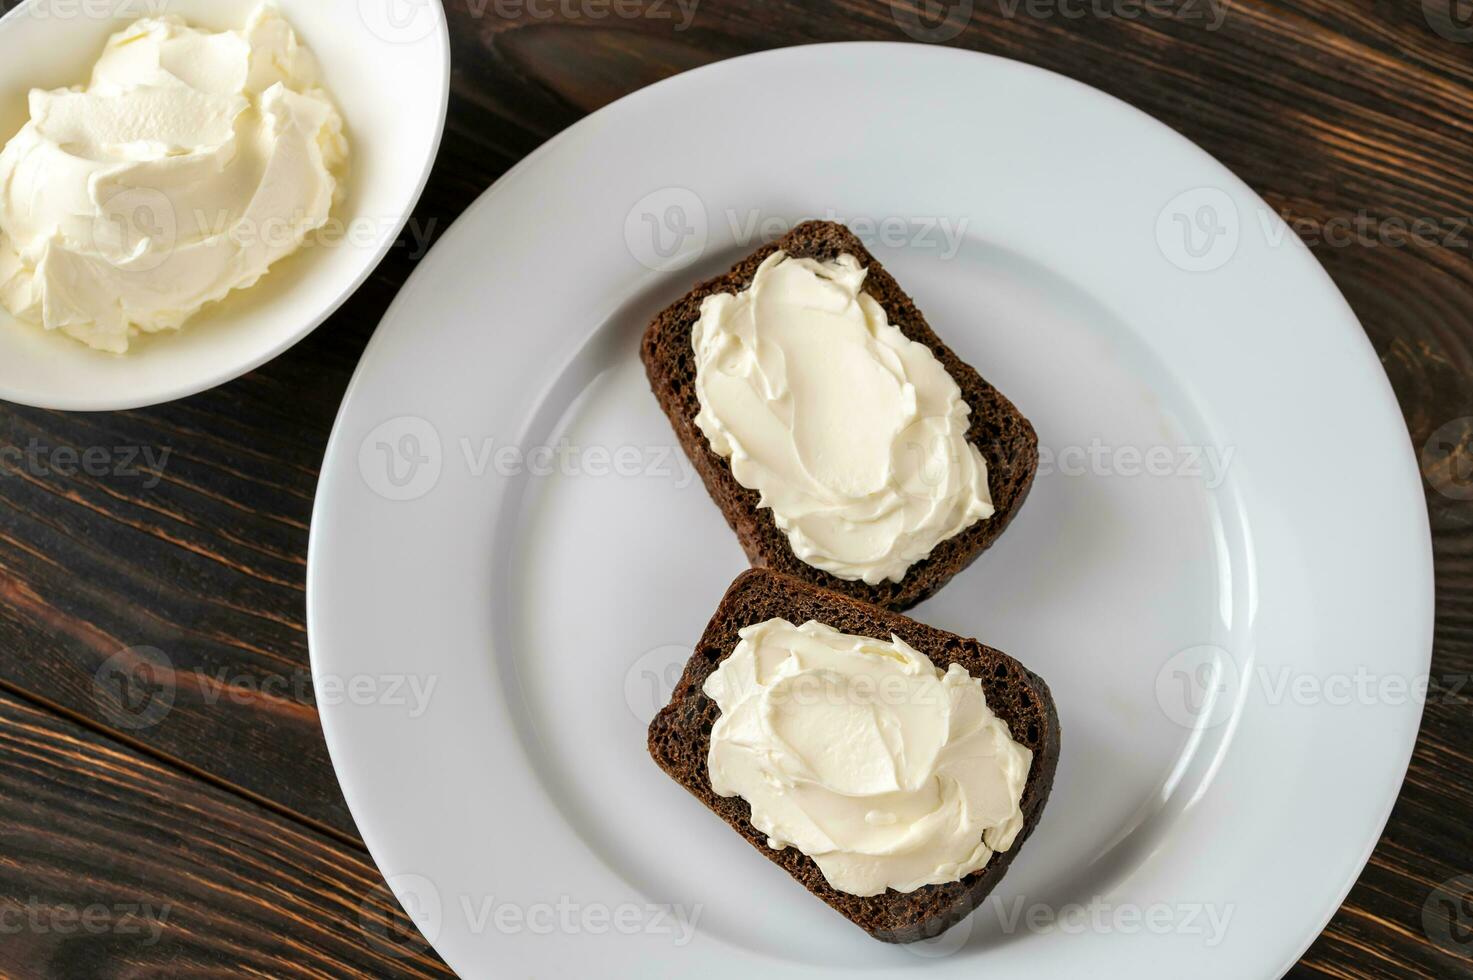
column 385, row 62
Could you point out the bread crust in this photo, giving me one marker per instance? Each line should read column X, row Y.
column 1001, row 434
column 680, row 740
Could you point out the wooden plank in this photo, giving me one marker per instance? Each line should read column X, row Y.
column 112, row 864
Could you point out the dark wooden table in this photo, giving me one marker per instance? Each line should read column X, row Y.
column 212, row 837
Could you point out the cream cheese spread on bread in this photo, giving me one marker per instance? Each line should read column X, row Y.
column 190, row 163
column 853, row 434
column 886, row 771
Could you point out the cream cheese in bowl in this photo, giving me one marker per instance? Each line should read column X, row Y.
column 189, row 164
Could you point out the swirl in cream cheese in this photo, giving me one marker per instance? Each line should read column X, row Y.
column 886, row 771
column 190, row 163
column 853, row 434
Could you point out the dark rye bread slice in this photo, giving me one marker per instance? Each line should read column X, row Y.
column 1004, row 437
column 680, row 739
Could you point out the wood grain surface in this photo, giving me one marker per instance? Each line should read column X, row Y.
column 159, row 746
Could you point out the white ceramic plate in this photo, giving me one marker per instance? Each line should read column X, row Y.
column 1228, row 530
column 387, row 65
